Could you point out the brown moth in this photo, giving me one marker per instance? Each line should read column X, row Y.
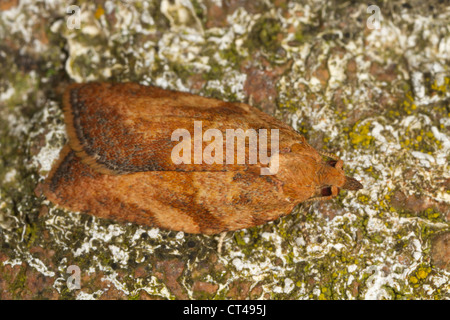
column 118, row 162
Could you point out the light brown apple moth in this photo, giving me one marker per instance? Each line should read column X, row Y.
column 183, row 162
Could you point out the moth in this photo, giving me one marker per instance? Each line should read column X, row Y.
column 122, row 162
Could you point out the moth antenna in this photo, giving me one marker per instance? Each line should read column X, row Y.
column 319, row 198
column 329, row 155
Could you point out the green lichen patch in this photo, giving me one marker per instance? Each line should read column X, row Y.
column 265, row 33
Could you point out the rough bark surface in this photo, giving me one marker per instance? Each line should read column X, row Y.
column 377, row 97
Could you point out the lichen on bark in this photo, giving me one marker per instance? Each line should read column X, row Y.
column 378, row 98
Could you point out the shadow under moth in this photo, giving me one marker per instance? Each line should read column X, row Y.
column 122, row 162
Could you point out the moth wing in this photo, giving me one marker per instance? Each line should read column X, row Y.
column 193, row 202
column 126, row 128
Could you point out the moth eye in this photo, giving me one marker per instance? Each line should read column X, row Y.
column 332, row 163
column 326, row 191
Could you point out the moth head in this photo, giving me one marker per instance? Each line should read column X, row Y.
column 333, row 178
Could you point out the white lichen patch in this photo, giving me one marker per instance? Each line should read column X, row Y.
column 55, row 137
column 182, row 16
column 119, row 255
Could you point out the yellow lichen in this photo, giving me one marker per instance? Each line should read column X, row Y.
column 422, row 274
column 360, row 136
column 99, row 12
column 413, row 280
